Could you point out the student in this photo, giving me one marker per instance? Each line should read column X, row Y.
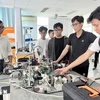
column 58, row 43
column 51, row 33
column 43, row 42
column 5, row 49
column 79, row 42
column 94, row 18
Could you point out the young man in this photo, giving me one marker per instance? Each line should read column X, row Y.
column 5, row 48
column 51, row 33
column 79, row 42
column 94, row 18
column 58, row 43
column 43, row 42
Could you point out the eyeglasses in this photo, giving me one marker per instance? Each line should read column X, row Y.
column 75, row 24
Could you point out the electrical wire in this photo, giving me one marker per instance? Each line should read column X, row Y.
column 94, row 81
column 91, row 83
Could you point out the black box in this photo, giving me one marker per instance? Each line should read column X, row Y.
column 5, row 93
column 72, row 92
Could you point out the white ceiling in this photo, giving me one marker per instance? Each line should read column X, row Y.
column 60, row 7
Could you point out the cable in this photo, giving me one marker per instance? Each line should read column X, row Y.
column 94, row 81
column 91, row 83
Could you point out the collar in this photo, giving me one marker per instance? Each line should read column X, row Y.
column 81, row 34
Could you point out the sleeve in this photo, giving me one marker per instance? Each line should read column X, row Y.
column 92, row 37
column 69, row 40
column 95, row 46
column 49, row 49
column 65, row 41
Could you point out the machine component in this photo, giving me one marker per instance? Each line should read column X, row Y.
column 34, row 61
column 25, row 49
column 40, row 78
column 56, row 66
column 21, row 66
column 7, row 70
column 23, row 59
column 37, row 76
column 16, row 75
column 52, row 83
column 72, row 78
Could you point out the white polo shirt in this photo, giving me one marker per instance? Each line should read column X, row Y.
column 95, row 45
column 5, row 48
column 44, row 45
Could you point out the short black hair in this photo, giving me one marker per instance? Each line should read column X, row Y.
column 58, row 25
column 80, row 19
column 94, row 15
column 49, row 31
column 1, row 22
column 42, row 28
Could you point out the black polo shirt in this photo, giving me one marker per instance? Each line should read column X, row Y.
column 80, row 45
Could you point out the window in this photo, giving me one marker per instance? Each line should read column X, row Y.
column 42, row 21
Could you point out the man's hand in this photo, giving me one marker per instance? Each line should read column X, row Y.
column 9, row 64
column 55, row 62
column 62, row 70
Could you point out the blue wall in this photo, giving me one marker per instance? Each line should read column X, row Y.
column 7, row 16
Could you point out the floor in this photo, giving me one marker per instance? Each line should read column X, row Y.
column 94, row 73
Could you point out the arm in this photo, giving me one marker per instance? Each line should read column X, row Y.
column 10, row 59
column 77, row 62
column 9, row 52
column 64, row 52
column 81, row 59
